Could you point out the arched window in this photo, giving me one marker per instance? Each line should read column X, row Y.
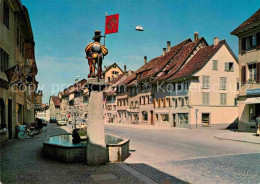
column 145, row 116
column 2, row 113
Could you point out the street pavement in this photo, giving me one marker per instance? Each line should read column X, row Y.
column 21, row 161
column 195, row 156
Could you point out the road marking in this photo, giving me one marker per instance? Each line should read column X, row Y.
column 137, row 174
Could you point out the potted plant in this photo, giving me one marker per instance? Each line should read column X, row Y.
column 83, row 133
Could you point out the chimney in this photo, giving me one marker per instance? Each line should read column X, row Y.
column 168, row 46
column 124, row 68
column 196, row 36
column 145, row 59
column 164, row 51
column 216, row 40
column 129, row 73
column 105, row 67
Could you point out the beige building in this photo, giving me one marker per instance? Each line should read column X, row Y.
column 111, row 72
column 54, row 102
column 110, row 104
column 18, row 68
column 190, row 85
column 248, row 34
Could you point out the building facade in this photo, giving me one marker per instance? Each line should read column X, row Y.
column 188, row 86
column 111, row 72
column 55, row 111
column 248, row 34
column 18, row 68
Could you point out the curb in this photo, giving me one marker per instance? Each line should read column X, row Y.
column 237, row 140
column 137, row 174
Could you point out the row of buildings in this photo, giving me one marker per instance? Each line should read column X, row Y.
column 194, row 84
column 72, row 102
column 18, row 97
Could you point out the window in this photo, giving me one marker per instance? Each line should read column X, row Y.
column 235, row 101
column 108, row 79
column 182, row 101
column 145, row 116
column 165, row 117
column 187, row 100
column 252, row 72
column 183, row 118
column 4, row 60
column 237, row 84
column 223, row 83
column 205, row 118
column 205, row 81
column 229, row 66
column 223, row 99
column 6, row 15
column 215, row 65
column 254, row 110
column 249, row 42
column 179, row 86
column 186, row 85
column 205, row 98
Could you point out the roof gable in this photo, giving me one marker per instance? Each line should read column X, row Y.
column 251, row 20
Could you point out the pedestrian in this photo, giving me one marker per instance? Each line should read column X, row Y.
column 258, row 124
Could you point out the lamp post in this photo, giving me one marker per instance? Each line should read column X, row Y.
column 196, row 112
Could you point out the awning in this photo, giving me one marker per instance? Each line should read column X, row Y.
column 255, row 100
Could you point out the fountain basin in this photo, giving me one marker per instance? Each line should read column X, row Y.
column 61, row 148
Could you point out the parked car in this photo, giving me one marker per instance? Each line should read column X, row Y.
column 53, row 120
column 62, row 122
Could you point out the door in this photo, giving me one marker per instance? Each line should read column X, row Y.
column 174, row 120
column 152, row 118
column 10, row 122
column 205, row 118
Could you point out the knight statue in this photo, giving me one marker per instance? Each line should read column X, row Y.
column 95, row 53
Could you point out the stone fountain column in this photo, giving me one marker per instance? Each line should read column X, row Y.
column 96, row 151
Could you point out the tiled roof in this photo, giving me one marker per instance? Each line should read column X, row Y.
column 163, row 60
column 56, row 101
column 253, row 19
column 179, row 59
column 197, row 61
column 109, row 67
column 155, row 65
column 117, row 78
column 75, row 87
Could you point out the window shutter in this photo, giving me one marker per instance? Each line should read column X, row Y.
column 159, row 103
column 164, row 102
column 243, row 44
column 258, row 40
column 243, row 74
column 153, row 103
column 226, row 66
column 258, row 72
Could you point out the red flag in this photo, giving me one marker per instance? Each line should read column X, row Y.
column 112, row 24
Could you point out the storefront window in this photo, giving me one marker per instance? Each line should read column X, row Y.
column 183, row 118
column 254, row 111
column 145, row 116
column 165, row 117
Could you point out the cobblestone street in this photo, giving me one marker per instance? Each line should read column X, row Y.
column 22, row 162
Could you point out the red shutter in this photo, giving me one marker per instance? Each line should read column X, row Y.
column 258, row 72
column 243, row 74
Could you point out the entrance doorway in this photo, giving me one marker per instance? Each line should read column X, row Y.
column 174, row 120
column 2, row 114
column 10, row 122
column 205, row 118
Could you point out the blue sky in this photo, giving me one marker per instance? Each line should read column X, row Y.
column 63, row 28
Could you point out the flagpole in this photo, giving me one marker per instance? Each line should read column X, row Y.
column 105, row 30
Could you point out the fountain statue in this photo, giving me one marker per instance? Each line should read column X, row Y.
column 97, row 152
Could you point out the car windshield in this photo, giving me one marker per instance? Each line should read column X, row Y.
column 62, row 120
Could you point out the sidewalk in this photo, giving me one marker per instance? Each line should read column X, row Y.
column 239, row 136
column 22, row 161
